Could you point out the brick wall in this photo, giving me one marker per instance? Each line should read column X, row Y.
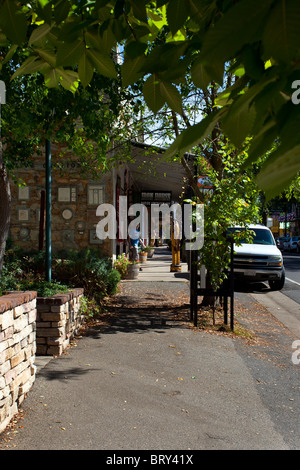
column 17, row 351
column 58, row 320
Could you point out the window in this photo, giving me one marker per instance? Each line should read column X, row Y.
column 95, row 194
column 23, row 193
column 67, row 194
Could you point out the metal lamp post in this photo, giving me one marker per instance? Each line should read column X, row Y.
column 48, row 211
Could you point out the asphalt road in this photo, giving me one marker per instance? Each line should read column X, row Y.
column 284, row 304
column 292, row 272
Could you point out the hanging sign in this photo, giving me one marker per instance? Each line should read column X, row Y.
column 204, row 182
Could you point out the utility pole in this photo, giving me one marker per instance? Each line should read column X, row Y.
column 48, row 211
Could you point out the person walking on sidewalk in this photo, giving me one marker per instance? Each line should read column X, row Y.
column 135, row 242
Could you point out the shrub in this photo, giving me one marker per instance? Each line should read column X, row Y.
column 15, row 277
column 89, row 308
column 87, row 269
column 44, row 288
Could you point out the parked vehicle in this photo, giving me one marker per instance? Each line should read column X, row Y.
column 292, row 244
column 260, row 260
column 280, row 242
column 286, row 244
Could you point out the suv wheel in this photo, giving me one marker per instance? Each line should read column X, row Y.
column 278, row 285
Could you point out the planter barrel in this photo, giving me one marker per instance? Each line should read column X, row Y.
column 132, row 271
column 150, row 253
column 143, row 257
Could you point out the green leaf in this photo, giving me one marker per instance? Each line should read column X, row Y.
column 172, row 96
column 199, row 10
column 261, row 143
column 103, row 42
column 177, row 13
column 107, row 40
column 13, row 22
column 200, row 76
column 10, row 53
column 38, row 33
column 237, row 27
column 44, row 10
column 102, row 62
column 130, row 70
column 101, row 3
column 139, row 10
column 279, row 171
column 134, row 49
column 162, row 58
column 61, row 11
column 283, row 164
column 69, row 80
column 284, row 18
column 192, row 136
column 203, row 75
column 160, row 20
column 85, row 70
column 239, row 120
column 31, row 65
column 69, row 53
column 52, row 77
column 152, row 94
column 48, row 55
column 92, row 38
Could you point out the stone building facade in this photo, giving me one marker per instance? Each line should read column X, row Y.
column 74, row 198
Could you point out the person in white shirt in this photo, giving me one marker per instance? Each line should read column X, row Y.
column 135, row 241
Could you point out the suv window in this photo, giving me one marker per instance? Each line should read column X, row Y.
column 260, row 235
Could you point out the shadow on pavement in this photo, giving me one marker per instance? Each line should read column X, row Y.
column 251, row 287
column 140, row 319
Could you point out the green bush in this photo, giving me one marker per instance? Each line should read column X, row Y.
column 16, row 280
column 89, row 308
column 85, row 268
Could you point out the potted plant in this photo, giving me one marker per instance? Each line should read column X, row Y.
column 132, row 270
column 121, row 264
column 143, row 256
column 150, row 251
column 127, row 269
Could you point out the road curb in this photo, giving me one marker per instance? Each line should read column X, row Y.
column 286, row 310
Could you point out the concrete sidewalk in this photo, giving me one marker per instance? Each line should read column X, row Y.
column 158, row 267
column 142, row 384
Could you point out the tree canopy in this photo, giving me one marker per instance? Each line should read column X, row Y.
column 162, row 41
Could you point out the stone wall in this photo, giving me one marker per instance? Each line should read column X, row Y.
column 58, row 320
column 17, row 351
column 74, row 203
column 75, row 199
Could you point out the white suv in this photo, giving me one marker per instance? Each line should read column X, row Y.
column 260, row 260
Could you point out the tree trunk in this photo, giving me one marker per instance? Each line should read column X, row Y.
column 5, row 199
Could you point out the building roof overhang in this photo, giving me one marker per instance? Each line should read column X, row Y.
column 152, row 172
